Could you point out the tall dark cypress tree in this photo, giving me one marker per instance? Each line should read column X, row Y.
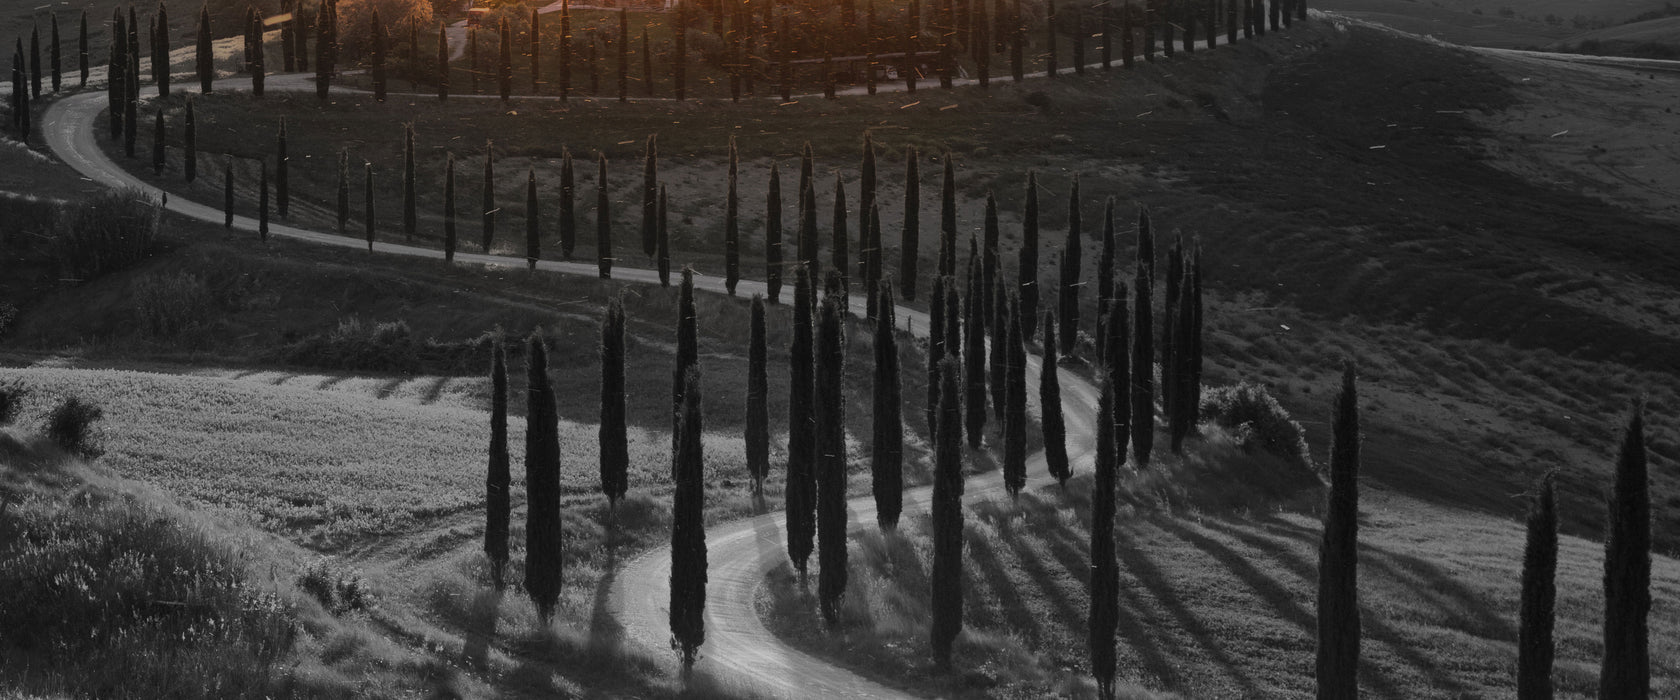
column 1105, row 275
column 801, row 479
column 866, row 200
column 1015, row 415
column 945, row 581
column 227, row 193
column 1143, row 370
column 131, row 109
column 998, row 362
column 377, row 29
column 367, row 200
column 533, row 220
column 1118, row 367
column 83, row 57
column 497, row 480
column 935, row 350
column 650, row 196
column 1625, row 671
column 35, row 63
column 830, row 417
column 839, row 246
column 504, row 63
column 732, row 224
column 326, row 19
column 614, row 443
column 262, row 203
column 1539, row 595
column 206, row 56
column 910, row 247
column 974, row 356
column 487, row 198
column 688, row 357
column 989, row 253
column 160, row 55
column 543, row 547
column 115, row 84
column 1051, row 63
column 887, row 418
column 1017, row 64
column 565, row 50
column 688, row 532
column 758, row 399
column 344, row 189
column 1169, row 327
column 948, row 222
column 56, row 54
column 872, row 255
column 189, row 144
column 449, row 234
column 536, row 52
column 410, row 221
column 568, row 208
column 442, row 65
column 158, row 136
column 1028, row 271
column 1071, row 262
column 1337, row 670
column 679, row 62
column 1105, row 569
column 808, row 218
column 282, row 161
column 662, row 241
column 1050, row 407
column 647, row 63
column 773, row 236
column 623, row 49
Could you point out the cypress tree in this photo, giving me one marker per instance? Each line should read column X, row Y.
column 974, row 355
column 131, row 108
column 989, row 253
column 623, row 48
column 981, row 44
column 449, row 236
column 1149, row 18
column 1337, row 669
column 1017, row 67
column 948, row 222
column 808, row 217
column 866, row 201
column 536, row 52
column 650, row 195
column 133, row 44
column 1186, row 356
column 325, row 43
column 1050, row 38
column 1015, row 417
column 344, row 189
column 82, row 57
column 189, row 142
column 663, row 245
column 1539, row 595
column 1105, row 570
column 300, row 34
column 887, row 418
column 732, row 224
column 839, row 244
column 487, row 198
column 910, row 239
column 1105, row 275
column 262, row 204
column 1169, row 327
column 282, row 189
column 1050, row 407
column 409, row 217
column 227, row 193
column 869, row 47
column 1029, row 258
column 1071, row 262
column 679, row 62
column 688, row 356
column 1625, row 671
column 1188, row 15
column 946, row 579
column 830, row 417
column 442, row 65
column 773, row 236
column 647, row 63
column 472, row 57
column 35, row 63
column 565, row 50
column 784, row 56
column 378, row 56
column 568, row 211
column 1166, row 18
column 1231, row 21
column 1105, row 20
column 367, row 200
column 998, row 365
column 497, row 480
column 758, row 399
column 614, row 442
column 1143, row 370
column 543, row 548
column 1193, row 354
column 1118, row 367
column 157, row 144
column 288, row 62
column 504, row 64
column 160, row 55
column 936, row 350
column 688, row 533
column 1146, row 245
column 801, row 480
column 533, row 216
column 56, row 55
column 259, row 72
column 872, row 254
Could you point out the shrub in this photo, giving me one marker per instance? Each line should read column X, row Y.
column 384, row 347
column 11, row 401
column 71, row 426
column 1257, row 420
column 169, row 303
column 338, row 590
column 8, row 314
column 113, row 230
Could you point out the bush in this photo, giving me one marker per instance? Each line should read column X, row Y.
column 339, row 591
column 11, row 401
column 113, row 230
column 8, row 314
column 169, row 303
column 71, row 426
column 1257, row 421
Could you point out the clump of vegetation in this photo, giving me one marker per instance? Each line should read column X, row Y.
column 110, row 231
column 382, row 347
column 1257, row 421
column 11, row 401
column 340, row 591
column 170, row 303
column 71, row 426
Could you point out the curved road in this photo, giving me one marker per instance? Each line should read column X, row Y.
column 738, row 648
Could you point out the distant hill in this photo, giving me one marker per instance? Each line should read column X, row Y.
column 1654, row 38
column 1497, row 23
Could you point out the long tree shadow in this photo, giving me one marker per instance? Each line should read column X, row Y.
column 1372, row 626
column 1031, row 554
column 984, row 563
column 606, row 634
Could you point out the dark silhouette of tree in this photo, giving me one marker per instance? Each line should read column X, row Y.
column 866, row 201
column 1338, row 556
column 367, row 198
column 1105, row 569
column 872, row 255
column 1539, row 595
column 262, row 204
column 326, row 48
column 910, row 239
column 542, row 484
column 83, row 58
column 936, row 350
column 504, row 64
column 442, row 65
column 1015, row 413
column 377, row 56
column 1105, row 276
column 568, row 206
column 1051, row 65
column 688, row 532
column 533, row 218
column 688, row 355
column 158, row 137
column 1028, row 270
column 1625, row 671
column 614, row 443
column 773, row 236
column 565, row 50
column 948, row 222
column 227, row 193
column 662, row 240
column 998, row 365
column 650, row 196
column 487, row 198
column 1117, row 366
column 536, row 52
column 830, row 416
column 410, row 217
column 679, row 62
column 1050, row 407
column 160, row 52
column 808, row 216
column 449, row 236
column 758, row 399
column 1143, row 370
column 344, row 190
column 989, row 255
column 35, row 63
column 623, row 49
column 801, row 477
column 1169, row 328
column 55, row 54
column 189, row 143
column 839, row 246
column 946, row 578
column 1071, row 262
column 974, row 355
column 731, row 223
column 603, row 219
column 887, row 445
column 497, row 480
